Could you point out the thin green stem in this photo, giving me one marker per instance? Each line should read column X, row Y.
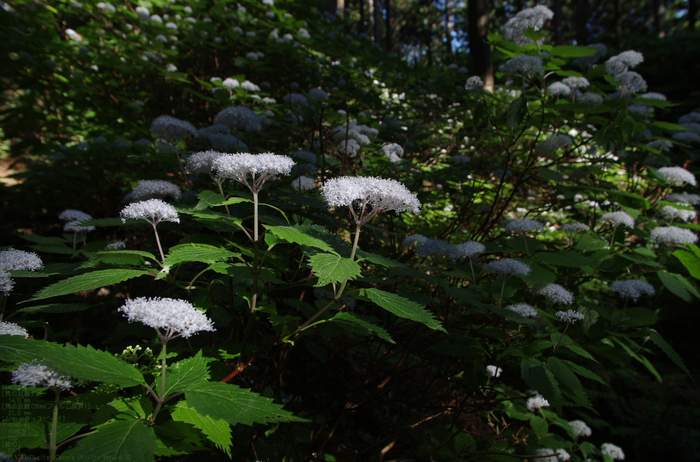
column 352, row 257
column 163, row 366
column 221, row 190
column 54, row 425
column 255, row 216
column 503, row 288
column 562, row 337
column 162, row 256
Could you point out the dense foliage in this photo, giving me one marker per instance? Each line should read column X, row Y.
column 260, row 237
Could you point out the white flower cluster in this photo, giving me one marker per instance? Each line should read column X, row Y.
column 632, row 289
column 523, row 309
column 10, row 328
column 474, row 84
column 661, row 145
column 615, row 452
column 436, row 248
column 469, row 249
column 295, row 99
column 39, row 374
column 6, row 282
column 202, row 162
column 576, row 82
column 523, row 225
column 523, row 64
column 574, row 227
column 570, row 316
column 493, row 371
column 393, row 152
column 239, row 117
column 413, row 239
column 353, row 136
column 580, row 428
column 120, row 244
column 553, row 143
column 153, row 211
column 506, row 266
column 590, row 99
column 618, row 218
column 558, row 89
column 536, row 402
column 546, row 451
column 677, row 176
column 630, row 82
column 623, row 62
column 318, row 94
column 259, row 167
column 669, row 212
column 74, row 227
column 529, row 17
column 684, row 199
column 19, row 260
column 155, row 189
column 687, row 137
column 171, row 129
column 672, row 235
column 172, row 315
column 74, row 215
column 382, row 194
column 556, row 294
column 303, row 183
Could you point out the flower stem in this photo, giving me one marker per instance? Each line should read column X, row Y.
column 352, row 257
column 255, row 216
column 163, row 365
column 221, row 190
column 562, row 337
column 162, row 256
column 54, row 425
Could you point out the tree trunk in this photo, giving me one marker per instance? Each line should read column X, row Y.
column 558, row 38
column 377, row 20
column 478, row 15
column 659, row 18
column 361, row 26
column 449, row 25
column 692, row 13
column 581, row 20
column 387, row 26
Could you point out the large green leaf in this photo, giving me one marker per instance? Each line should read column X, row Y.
column 538, row 377
column 668, row 349
column 516, row 112
column 403, row 307
column 124, row 257
column 203, row 253
column 79, row 362
column 89, row 281
column 572, row 51
column 583, row 372
column 297, row 236
column 211, row 199
column 235, row 405
column 568, row 380
column 186, row 373
column 360, row 326
column 678, row 285
column 17, row 435
column 217, row 430
column 55, row 308
column 690, row 261
column 332, row 268
column 378, row 259
column 119, row 440
column 566, row 258
column 591, row 243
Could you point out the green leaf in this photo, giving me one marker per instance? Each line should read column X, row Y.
column 55, row 308
column 123, row 257
column 79, row 362
column 589, row 243
column 569, row 381
column 378, row 259
column 566, row 258
column 583, row 372
column 678, row 285
column 538, row 377
column 539, row 425
column 217, row 430
column 690, row 261
column 668, row 349
column 361, row 326
column 641, row 359
column 403, row 307
column 211, row 199
column 236, row 405
column 548, row 174
column 668, row 126
column 203, row 253
column 89, row 281
column 534, row 35
column 119, row 440
column 516, row 112
column 332, row 268
column 17, row 435
column 297, row 236
column 572, row 51
column 184, row 374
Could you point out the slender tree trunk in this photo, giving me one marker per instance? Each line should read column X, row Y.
column 449, row 25
column 692, row 13
column 558, row 38
column 478, row 16
column 581, row 20
column 361, row 26
column 387, row 26
column 377, row 20
column 659, row 18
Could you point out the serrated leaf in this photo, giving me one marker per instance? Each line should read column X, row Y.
column 89, row 281
column 297, row 236
column 538, row 377
column 217, row 430
column 668, row 349
column 202, row 253
column 641, row 359
column 51, row 240
column 123, row 257
column 183, row 374
column 572, row 51
column 534, row 35
column 516, row 112
column 569, row 381
column 678, row 285
column 589, row 243
column 361, row 326
column 211, row 199
column 579, row 351
column 549, row 174
column 668, row 126
column 332, row 268
column 539, row 425
column 690, row 261
column 236, row 405
column 17, row 435
column 583, row 372
column 378, row 259
column 565, row 258
column 55, row 308
column 79, row 362
column 120, row 440
column 403, row 307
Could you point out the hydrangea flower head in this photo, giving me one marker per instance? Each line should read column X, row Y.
column 556, row 294
column 672, row 235
column 553, row 143
column 19, row 260
column 10, row 328
column 574, row 227
column 536, row 402
column 474, row 84
column 684, row 199
column 524, row 225
column 570, row 316
column 576, row 82
column 317, row 94
column 580, row 428
column 303, row 183
column 39, row 374
column 590, row 99
column 630, row 82
column 239, row 117
column 632, row 289
column 176, row 317
column 523, row 64
column 677, row 176
column 615, row 452
column 153, row 211
column 508, row 266
column 686, row 137
column 259, row 167
column 75, row 227
column 155, row 189
column 618, row 218
column 393, row 152
column 120, row 244
column 527, row 18
column 6, row 282
column 469, row 249
column 436, row 248
column 381, row 194
column 413, row 239
column 171, row 129
column 559, row 89
column 623, row 62
column 202, row 162
column 74, row 215
column 523, row 309
column 669, row 212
